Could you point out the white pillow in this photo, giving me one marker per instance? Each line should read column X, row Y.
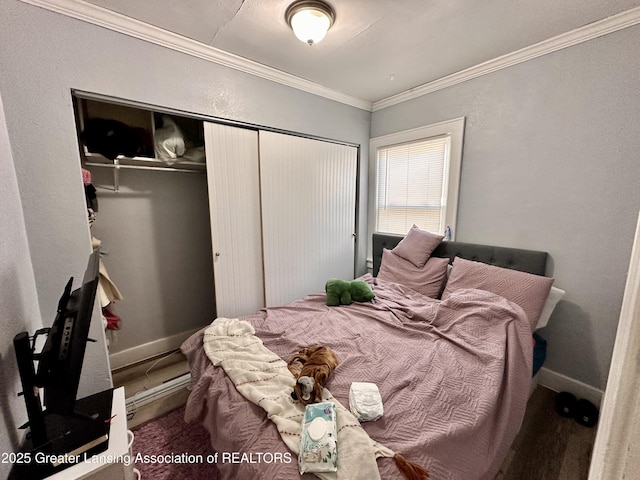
column 555, row 295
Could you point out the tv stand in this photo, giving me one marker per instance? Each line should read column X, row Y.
column 30, row 392
column 54, row 437
column 115, row 463
column 71, row 439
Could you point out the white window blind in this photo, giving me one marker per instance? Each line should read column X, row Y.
column 412, row 185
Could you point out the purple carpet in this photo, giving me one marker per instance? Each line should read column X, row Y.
column 171, row 449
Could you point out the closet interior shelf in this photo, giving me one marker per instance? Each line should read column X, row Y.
column 140, row 163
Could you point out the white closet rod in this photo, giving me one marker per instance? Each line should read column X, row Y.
column 117, row 166
column 142, row 167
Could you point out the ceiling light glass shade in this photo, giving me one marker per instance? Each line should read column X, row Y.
column 310, row 20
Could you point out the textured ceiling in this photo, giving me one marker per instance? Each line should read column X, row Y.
column 375, row 48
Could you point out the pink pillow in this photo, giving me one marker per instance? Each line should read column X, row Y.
column 417, row 246
column 427, row 280
column 525, row 289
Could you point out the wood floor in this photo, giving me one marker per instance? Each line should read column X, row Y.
column 548, row 447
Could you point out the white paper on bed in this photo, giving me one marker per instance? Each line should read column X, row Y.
column 264, row 379
column 365, row 401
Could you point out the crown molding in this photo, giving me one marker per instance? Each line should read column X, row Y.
column 579, row 35
column 111, row 20
column 103, row 17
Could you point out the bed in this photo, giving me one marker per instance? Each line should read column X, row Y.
column 454, row 372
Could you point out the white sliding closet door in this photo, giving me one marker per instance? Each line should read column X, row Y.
column 234, row 200
column 308, row 190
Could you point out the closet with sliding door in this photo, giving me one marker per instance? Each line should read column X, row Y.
column 201, row 218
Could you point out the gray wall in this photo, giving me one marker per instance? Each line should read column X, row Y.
column 19, row 310
column 157, row 237
column 44, row 55
column 550, row 162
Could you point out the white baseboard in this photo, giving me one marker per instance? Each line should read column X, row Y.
column 148, row 350
column 147, row 396
column 561, row 383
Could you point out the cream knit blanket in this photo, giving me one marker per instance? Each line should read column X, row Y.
column 263, row 378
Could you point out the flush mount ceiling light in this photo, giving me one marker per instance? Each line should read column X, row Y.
column 310, row 20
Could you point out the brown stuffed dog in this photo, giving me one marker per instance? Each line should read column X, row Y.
column 311, row 367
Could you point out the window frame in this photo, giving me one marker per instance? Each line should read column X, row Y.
column 455, row 130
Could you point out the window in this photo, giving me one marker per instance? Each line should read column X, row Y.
column 417, row 178
column 411, row 178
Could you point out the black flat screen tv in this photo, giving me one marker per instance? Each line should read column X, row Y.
column 60, row 360
column 50, row 377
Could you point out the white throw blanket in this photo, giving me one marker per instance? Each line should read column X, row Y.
column 264, row 379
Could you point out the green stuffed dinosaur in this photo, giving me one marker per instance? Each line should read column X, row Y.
column 343, row 292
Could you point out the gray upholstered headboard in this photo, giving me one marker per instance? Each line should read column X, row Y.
column 530, row 261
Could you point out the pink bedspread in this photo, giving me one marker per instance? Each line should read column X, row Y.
column 454, row 376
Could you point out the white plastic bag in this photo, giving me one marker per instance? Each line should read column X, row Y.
column 169, row 141
column 365, row 401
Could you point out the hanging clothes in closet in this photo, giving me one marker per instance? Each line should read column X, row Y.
column 108, row 292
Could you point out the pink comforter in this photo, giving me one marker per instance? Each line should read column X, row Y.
column 454, row 376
